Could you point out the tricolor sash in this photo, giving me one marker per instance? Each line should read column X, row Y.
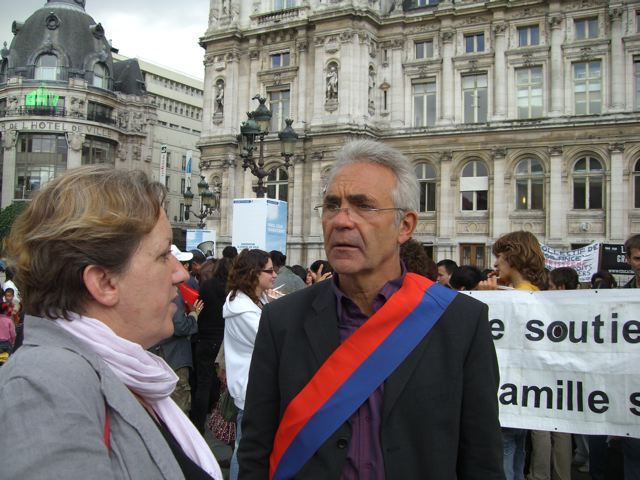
column 354, row 371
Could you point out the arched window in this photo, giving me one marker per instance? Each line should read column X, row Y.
column 529, row 185
column 277, row 184
column 426, row 174
column 47, row 67
column 100, row 76
column 636, row 185
column 474, row 187
column 588, row 184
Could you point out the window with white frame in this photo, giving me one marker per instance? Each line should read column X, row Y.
column 528, row 36
column 277, row 184
column 586, row 28
column 280, row 59
column 587, row 85
column 283, row 4
column 474, row 43
column 425, row 3
column 47, row 67
column 588, row 184
column 529, row 185
column 474, row 92
column 636, row 185
column 423, row 49
column 474, row 187
column 279, row 104
column 529, row 92
column 426, row 174
column 424, row 104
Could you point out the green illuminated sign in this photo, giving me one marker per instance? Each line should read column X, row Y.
column 41, row 98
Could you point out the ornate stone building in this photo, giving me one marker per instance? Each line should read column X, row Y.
column 517, row 114
column 65, row 101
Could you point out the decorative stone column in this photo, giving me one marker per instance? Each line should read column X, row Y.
column 296, row 202
column 557, row 67
column 500, row 73
column 616, row 210
column 74, row 152
column 315, row 228
column 9, row 139
column 555, row 211
column 448, row 95
column 499, row 209
column 617, row 74
column 446, row 213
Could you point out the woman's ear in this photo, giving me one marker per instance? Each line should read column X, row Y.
column 101, row 284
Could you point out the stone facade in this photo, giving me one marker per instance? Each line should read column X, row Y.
column 520, row 114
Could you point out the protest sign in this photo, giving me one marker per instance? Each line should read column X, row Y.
column 568, row 359
column 584, row 260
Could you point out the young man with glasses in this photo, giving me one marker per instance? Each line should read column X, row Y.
column 378, row 373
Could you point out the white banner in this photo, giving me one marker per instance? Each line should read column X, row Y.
column 568, row 359
column 163, row 165
column 584, row 260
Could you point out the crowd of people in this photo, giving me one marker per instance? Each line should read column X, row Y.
column 133, row 347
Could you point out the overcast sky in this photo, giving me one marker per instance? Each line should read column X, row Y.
column 165, row 32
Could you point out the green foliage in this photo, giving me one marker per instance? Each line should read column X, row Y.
column 8, row 215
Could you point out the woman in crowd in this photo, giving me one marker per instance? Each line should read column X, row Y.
column 82, row 398
column 318, row 271
column 251, row 276
column 213, row 292
column 519, row 265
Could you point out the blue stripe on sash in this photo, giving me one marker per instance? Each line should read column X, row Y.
column 365, row 380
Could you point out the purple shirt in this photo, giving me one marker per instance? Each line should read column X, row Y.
column 364, row 457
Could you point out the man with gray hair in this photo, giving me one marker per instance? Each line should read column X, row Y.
column 378, row 373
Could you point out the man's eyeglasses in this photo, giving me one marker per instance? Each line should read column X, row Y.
column 270, row 271
column 331, row 210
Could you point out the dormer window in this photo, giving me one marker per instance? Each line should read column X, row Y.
column 47, row 67
column 100, row 76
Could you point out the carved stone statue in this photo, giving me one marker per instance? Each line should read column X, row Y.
column 10, row 139
column 332, row 83
column 75, row 139
column 219, row 106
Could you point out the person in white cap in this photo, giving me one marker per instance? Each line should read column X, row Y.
column 176, row 350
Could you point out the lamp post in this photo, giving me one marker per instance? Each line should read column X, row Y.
column 209, row 201
column 257, row 128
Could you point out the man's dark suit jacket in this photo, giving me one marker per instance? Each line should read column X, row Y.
column 440, row 412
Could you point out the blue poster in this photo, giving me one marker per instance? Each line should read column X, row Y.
column 276, row 225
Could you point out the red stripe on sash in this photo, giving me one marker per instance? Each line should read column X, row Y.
column 344, row 361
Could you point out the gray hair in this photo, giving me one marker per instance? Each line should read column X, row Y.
column 406, row 193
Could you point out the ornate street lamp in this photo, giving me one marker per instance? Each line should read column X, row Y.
column 257, row 127
column 209, row 201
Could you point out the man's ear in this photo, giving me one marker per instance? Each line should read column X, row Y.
column 101, row 284
column 407, row 226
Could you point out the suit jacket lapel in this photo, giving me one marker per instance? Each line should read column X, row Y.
column 321, row 323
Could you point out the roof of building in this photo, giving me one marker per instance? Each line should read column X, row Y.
column 63, row 28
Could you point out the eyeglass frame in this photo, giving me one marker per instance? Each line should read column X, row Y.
column 270, row 271
column 357, row 210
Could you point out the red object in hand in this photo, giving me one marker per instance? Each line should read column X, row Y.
column 189, row 295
